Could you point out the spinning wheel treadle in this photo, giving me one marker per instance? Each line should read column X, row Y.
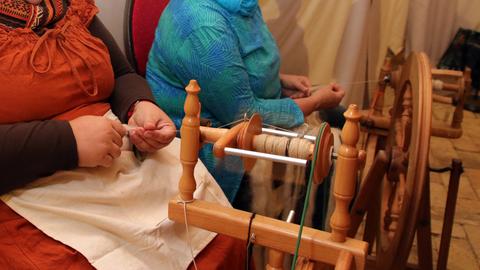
column 406, row 147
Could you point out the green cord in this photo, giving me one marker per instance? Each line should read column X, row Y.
column 307, row 196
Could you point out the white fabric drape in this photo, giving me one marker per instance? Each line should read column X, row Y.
column 350, row 62
column 309, row 35
column 432, row 24
column 323, row 39
column 117, row 217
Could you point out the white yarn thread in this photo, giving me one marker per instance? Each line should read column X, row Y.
column 189, row 240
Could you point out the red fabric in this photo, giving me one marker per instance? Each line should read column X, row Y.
column 222, row 253
column 145, row 16
column 23, row 246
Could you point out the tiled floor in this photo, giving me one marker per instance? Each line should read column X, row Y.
column 465, row 243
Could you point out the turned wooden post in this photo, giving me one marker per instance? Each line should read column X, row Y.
column 345, row 175
column 190, row 142
column 275, row 260
column 465, row 84
column 386, row 70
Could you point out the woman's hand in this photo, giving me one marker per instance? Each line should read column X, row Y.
column 295, row 86
column 154, row 129
column 328, row 97
column 324, row 98
column 99, row 140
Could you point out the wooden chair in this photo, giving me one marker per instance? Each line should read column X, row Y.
column 141, row 18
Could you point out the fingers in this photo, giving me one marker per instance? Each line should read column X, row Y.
column 296, row 83
column 152, row 140
column 115, row 150
column 303, row 85
column 112, row 151
column 339, row 91
column 117, row 139
column 154, row 128
column 306, row 84
column 119, row 128
column 294, row 93
column 163, row 135
column 298, row 95
column 143, row 144
column 150, row 125
column 107, row 161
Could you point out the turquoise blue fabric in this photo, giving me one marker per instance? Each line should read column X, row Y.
column 226, row 46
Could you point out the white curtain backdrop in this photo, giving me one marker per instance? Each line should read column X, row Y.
column 310, row 33
column 432, row 24
column 329, row 40
column 350, row 65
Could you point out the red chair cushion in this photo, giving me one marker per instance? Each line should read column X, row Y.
column 145, row 15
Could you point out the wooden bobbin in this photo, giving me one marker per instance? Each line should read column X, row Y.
column 324, row 151
column 245, row 139
column 242, row 136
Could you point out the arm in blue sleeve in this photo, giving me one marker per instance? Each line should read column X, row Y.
column 211, row 55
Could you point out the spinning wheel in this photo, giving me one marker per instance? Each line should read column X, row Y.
column 408, row 143
column 396, row 162
column 244, row 140
column 396, row 165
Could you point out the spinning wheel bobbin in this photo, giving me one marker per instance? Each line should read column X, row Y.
column 324, row 150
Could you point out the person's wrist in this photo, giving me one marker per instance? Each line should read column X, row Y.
column 135, row 105
column 131, row 110
column 284, row 80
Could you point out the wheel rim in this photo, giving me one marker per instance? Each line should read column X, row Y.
column 404, row 183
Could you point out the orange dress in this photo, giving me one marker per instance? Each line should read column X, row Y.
column 62, row 74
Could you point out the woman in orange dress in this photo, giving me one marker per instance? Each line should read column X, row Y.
column 60, row 73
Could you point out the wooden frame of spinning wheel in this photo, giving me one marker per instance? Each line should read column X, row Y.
column 333, row 248
column 454, row 84
column 399, row 174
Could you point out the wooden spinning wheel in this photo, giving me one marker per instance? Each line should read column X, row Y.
column 396, row 165
column 333, row 248
column 408, row 143
column 391, row 190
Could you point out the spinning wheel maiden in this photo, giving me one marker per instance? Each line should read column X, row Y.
column 396, row 165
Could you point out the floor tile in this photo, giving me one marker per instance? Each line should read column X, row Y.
column 457, row 231
column 461, row 255
column 473, row 235
column 465, row 189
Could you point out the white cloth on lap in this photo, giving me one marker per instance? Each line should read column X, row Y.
column 117, row 217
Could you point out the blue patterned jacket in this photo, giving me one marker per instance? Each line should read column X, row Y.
column 226, row 46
